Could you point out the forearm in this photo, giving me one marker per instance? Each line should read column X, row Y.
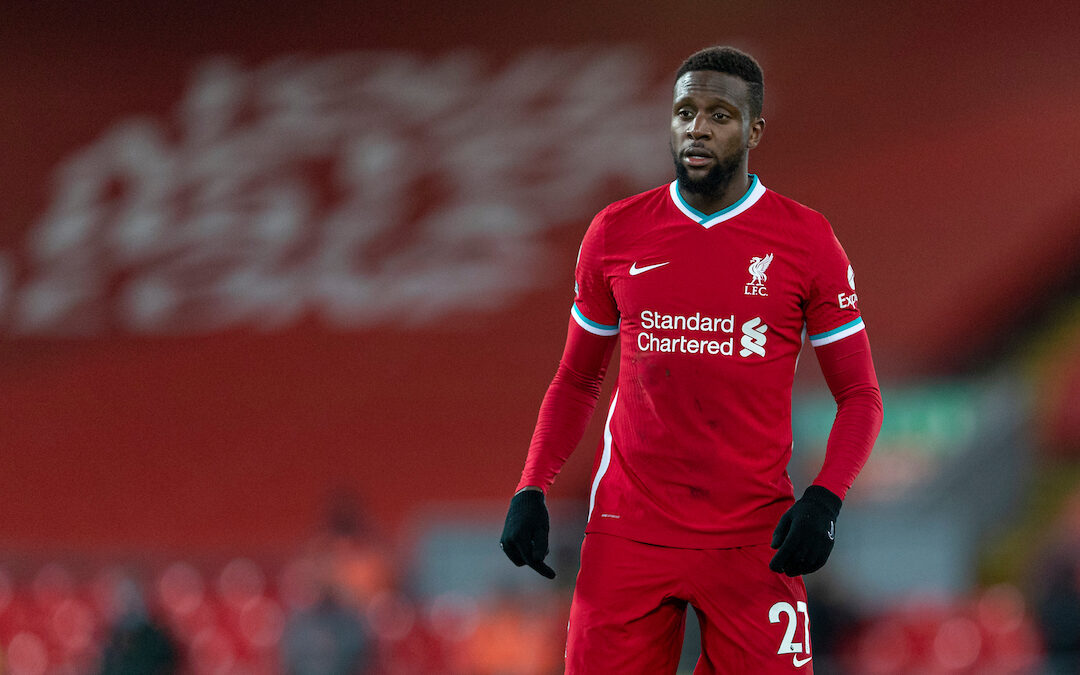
column 849, row 372
column 567, row 406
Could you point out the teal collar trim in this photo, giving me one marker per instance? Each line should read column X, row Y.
column 752, row 195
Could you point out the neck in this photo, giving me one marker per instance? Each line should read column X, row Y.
column 722, row 198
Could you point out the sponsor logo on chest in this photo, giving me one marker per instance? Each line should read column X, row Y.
column 698, row 334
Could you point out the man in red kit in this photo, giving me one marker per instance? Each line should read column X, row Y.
column 710, row 283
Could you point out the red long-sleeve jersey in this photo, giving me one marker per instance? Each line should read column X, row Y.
column 711, row 311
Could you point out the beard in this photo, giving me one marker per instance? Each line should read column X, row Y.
column 712, row 184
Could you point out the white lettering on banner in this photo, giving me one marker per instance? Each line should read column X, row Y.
column 361, row 188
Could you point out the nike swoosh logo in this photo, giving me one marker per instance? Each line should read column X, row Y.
column 635, row 270
column 799, row 663
column 832, row 530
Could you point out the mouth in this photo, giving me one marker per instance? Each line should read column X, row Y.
column 697, row 157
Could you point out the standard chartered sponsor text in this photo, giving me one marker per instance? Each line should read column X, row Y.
column 650, row 342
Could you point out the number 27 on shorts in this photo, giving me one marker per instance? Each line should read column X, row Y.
column 788, row 644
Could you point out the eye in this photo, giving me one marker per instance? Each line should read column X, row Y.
column 684, row 113
column 721, row 116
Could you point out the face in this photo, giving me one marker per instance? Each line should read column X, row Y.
column 712, row 130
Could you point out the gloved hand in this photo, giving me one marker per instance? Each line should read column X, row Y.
column 806, row 533
column 525, row 534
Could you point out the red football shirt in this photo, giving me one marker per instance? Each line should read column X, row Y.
column 711, row 311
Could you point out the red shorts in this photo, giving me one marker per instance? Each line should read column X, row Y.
column 629, row 610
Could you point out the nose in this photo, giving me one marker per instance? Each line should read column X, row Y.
column 698, row 127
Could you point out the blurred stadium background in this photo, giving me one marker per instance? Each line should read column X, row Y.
column 281, row 287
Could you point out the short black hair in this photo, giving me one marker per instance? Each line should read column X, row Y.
column 733, row 62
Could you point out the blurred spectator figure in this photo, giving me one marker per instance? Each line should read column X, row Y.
column 1057, row 593
column 832, row 623
column 1059, row 619
column 344, row 567
column 327, row 638
column 136, row 645
column 516, row 634
column 358, row 564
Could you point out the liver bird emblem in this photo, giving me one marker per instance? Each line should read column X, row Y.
column 757, row 268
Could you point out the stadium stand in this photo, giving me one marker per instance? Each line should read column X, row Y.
column 250, row 258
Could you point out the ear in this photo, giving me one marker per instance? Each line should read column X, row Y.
column 757, row 128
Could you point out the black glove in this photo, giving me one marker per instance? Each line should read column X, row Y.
column 525, row 534
column 806, row 532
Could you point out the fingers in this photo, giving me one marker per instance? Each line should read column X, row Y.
column 805, row 535
column 800, row 553
column 513, row 551
column 535, row 559
column 781, row 562
column 782, row 541
column 813, row 566
column 781, row 531
column 532, row 553
column 790, row 560
column 539, row 552
column 542, row 569
column 538, row 549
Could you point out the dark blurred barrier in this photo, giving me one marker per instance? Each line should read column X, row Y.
column 1053, row 366
column 251, row 256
